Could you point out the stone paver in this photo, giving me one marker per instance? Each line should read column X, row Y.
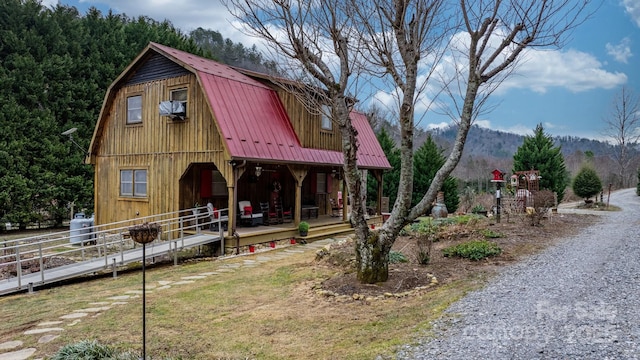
column 50, row 323
column 18, row 355
column 51, row 333
column 74, row 315
column 10, row 345
column 47, row 338
column 42, row 330
column 94, row 310
column 194, row 277
column 183, row 282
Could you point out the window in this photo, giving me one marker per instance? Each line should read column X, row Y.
column 325, row 115
column 133, row 183
column 178, row 95
column 321, row 183
column 134, row 109
column 218, row 184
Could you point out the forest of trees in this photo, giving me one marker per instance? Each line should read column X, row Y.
column 56, row 65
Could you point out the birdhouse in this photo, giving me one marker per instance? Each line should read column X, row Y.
column 498, row 175
column 514, row 180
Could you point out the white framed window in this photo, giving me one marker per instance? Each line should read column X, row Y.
column 218, row 184
column 325, row 115
column 133, row 182
column 134, row 109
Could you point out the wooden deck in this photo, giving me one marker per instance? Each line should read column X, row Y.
column 322, row 227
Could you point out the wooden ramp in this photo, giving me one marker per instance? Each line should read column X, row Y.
column 32, row 280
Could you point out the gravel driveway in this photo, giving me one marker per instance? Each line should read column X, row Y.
column 579, row 299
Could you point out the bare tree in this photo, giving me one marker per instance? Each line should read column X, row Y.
column 493, row 36
column 623, row 129
column 396, row 36
column 401, row 37
column 318, row 37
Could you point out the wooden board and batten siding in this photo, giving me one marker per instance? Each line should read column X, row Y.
column 308, row 125
column 164, row 147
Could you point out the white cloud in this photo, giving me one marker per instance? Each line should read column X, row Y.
column 187, row 15
column 441, row 125
column 632, row 7
column 574, row 70
column 49, row 3
column 620, row 52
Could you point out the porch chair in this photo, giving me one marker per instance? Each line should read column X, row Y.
column 268, row 217
column 286, row 215
column 336, row 210
column 247, row 216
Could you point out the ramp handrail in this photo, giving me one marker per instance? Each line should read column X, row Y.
column 99, row 243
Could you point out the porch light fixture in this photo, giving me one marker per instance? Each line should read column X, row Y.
column 258, row 171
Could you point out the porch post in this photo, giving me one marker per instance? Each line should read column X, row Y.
column 298, row 174
column 378, row 175
column 345, row 199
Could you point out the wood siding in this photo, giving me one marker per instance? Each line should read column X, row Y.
column 166, row 148
column 308, row 126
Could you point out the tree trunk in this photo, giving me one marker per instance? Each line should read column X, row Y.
column 372, row 258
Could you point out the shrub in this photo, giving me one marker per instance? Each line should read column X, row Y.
column 91, row 350
column 490, row 234
column 424, row 243
column 396, row 257
column 473, row 250
column 587, row 183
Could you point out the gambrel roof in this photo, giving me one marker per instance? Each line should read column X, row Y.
column 250, row 116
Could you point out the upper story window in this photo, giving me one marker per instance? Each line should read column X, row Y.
column 178, row 95
column 325, row 114
column 133, row 182
column 134, row 109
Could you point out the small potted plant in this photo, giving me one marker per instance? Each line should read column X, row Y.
column 303, row 228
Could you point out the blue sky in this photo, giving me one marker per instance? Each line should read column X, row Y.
column 570, row 91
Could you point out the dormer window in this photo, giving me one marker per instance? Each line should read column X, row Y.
column 325, row 116
column 134, row 109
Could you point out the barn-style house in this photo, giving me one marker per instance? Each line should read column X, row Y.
column 177, row 130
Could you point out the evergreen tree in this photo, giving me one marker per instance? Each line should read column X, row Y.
column 427, row 160
column 391, row 177
column 537, row 152
column 587, row 183
column 55, row 67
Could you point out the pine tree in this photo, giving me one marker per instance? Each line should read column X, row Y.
column 391, row 177
column 538, row 152
column 587, row 183
column 427, row 160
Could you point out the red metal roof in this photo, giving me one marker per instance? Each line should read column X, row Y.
column 254, row 123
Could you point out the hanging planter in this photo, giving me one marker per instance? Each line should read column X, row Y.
column 145, row 233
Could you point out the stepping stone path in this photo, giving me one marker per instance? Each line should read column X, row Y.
column 50, row 330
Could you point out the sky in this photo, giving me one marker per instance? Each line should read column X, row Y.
column 571, row 91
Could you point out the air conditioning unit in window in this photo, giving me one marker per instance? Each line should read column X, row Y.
column 176, row 110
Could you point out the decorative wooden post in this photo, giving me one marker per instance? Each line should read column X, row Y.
column 143, row 234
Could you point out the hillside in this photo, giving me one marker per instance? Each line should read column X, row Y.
column 499, row 144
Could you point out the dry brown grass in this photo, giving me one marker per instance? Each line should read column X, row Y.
column 269, row 311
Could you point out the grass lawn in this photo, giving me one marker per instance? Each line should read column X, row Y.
column 268, row 311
